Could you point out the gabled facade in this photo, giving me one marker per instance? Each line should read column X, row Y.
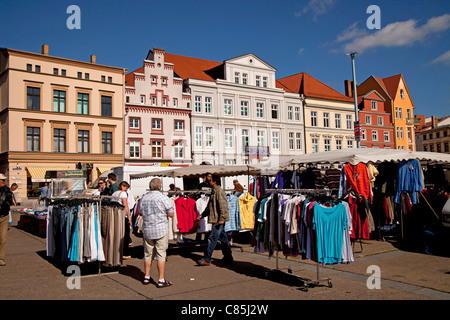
column 56, row 113
column 157, row 119
column 398, row 104
column 433, row 135
column 376, row 127
column 329, row 115
column 235, row 104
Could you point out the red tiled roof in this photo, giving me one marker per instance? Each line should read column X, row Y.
column 191, row 68
column 129, row 78
column 310, row 87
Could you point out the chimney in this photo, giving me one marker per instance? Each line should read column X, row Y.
column 44, row 49
column 434, row 121
column 93, row 59
column 348, row 88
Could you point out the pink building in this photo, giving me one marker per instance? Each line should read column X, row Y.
column 157, row 115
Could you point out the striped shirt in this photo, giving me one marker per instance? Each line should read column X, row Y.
column 154, row 208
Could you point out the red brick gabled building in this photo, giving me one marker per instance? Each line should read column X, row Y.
column 376, row 126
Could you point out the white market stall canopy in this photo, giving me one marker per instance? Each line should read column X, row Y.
column 365, row 155
column 198, row 171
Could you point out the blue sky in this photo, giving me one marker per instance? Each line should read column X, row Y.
column 293, row 36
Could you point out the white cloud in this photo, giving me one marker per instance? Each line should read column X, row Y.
column 316, row 8
column 300, row 51
column 397, row 34
column 443, row 58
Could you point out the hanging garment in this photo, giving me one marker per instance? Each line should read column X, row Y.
column 329, row 224
column 357, row 178
column 235, row 218
column 186, row 215
column 332, row 178
column 201, row 204
column 360, row 225
column 372, row 172
column 246, row 205
column 409, row 179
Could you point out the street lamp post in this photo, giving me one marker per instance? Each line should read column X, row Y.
column 355, row 96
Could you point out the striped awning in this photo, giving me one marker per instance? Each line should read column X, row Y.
column 38, row 173
column 103, row 169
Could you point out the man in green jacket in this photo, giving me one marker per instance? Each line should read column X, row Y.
column 218, row 215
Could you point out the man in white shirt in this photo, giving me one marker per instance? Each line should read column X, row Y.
column 156, row 208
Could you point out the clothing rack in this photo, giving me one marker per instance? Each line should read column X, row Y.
column 89, row 197
column 277, row 271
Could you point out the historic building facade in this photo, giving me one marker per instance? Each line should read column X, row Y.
column 236, row 104
column 329, row 115
column 57, row 113
column 157, row 115
column 399, row 104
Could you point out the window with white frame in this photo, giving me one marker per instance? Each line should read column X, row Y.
column 386, row 136
column 337, row 121
column 290, row 113
column 157, row 149
column 179, row 125
column 315, row 144
column 208, row 105
column 350, row 144
column 208, row 136
column 134, row 123
column 399, row 133
column 142, row 99
column 244, row 78
column 380, row 121
column 313, row 118
column 179, row 150
column 260, row 110
column 244, row 108
column 264, row 82
column 154, row 101
column 237, row 77
column 175, row 102
column 363, row 134
column 327, row 144
column 164, row 102
column 374, row 135
column 291, row 141
column 275, row 140
column 198, row 104
column 338, row 144
column 156, row 124
column 298, row 140
column 349, row 119
column 326, row 119
column 374, row 106
column 368, row 119
column 135, row 149
column 245, row 139
column 227, row 105
column 274, row 111
column 297, row 113
column 258, row 81
column 198, row 136
column 261, row 135
column 228, row 138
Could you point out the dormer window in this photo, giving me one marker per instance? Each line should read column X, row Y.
column 237, row 77
column 402, row 94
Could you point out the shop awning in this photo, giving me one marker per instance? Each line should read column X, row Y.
column 38, row 173
column 103, row 169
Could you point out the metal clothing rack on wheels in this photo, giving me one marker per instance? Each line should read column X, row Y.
column 307, row 283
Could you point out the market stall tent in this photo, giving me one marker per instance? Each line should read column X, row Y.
column 355, row 156
column 198, row 171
